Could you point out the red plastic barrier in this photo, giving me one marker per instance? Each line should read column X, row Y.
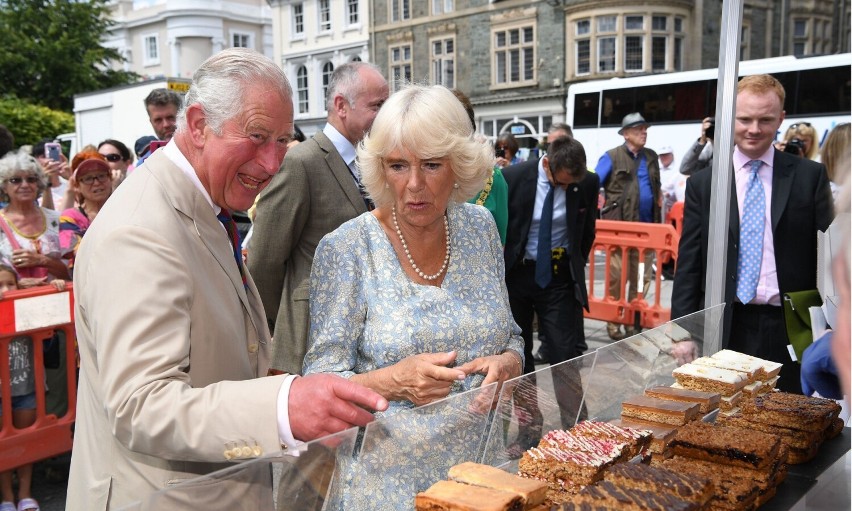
column 675, row 217
column 36, row 313
column 620, row 237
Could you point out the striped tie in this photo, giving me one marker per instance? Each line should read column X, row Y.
column 231, row 229
column 751, row 236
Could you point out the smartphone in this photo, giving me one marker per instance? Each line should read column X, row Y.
column 500, row 152
column 156, row 144
column 53, row 151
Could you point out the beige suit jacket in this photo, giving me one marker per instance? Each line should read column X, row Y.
column 311, row 196
column 171, row 346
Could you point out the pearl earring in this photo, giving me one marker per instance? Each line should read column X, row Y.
column 456, row 186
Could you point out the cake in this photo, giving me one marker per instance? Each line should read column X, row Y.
column 791, row 437
column 707, row 401
column 793, row 411
column 453, row 496
column 727, row 403
column 532, row 492
column 659, row 410
column 637, row 439
column 562, row 468
column 770, row 369
column 661, row 434
column 749, row 368
column 729, row 446
column 730, row 491
column 709, row 379
column 606, row 495
column 565, row 440
column 637, row 476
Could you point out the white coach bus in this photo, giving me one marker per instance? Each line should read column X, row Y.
column 818, row 92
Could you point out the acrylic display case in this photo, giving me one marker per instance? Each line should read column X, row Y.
column 393, row 458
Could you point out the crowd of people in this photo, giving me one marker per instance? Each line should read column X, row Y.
column 396, row 257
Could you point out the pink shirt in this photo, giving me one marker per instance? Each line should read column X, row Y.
column 767, row 282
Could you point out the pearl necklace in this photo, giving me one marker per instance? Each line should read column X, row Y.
column 416, row 268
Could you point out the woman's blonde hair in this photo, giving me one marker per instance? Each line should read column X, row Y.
column 799, row 130
column 430, row 122
column 835, row 152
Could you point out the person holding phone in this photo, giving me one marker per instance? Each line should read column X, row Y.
column 700, row 153
column 57, row 171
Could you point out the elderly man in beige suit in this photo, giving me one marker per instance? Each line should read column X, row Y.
column 317, row 190
column 171, row 331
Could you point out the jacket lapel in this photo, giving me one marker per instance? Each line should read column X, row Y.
column 340, row 171
column 782, row 184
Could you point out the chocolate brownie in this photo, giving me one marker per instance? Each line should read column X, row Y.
column 731, row 491
column 606, row 495
column 793, row 411
column 659, row 480
column 730, row 446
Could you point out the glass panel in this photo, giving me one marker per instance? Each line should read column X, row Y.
column 678, row 22
column 678, row 54
column 300, row 477
column 659, row 22
column 634, row 22
column 449, row 46
column 800, row 28
column 500, row 61
column 586, row 110
column 583, row 57
column 529, row 63
column 406, row 52
column 407, row 452
column 606, row 54
column 583, row 27
column 528, row 35
column 514, row 66
column 551, row 398
column 658, row 54
column 606, row 23
column 436, row 48
column 500, row 39
column 633, row 53
column 514, row 37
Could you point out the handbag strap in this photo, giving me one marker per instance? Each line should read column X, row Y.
column 12, row 240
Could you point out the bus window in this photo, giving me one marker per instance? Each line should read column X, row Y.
column 586, row 110
column 616, row 104
column 820, row 91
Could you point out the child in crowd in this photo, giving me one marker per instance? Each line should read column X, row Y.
column 22, row 377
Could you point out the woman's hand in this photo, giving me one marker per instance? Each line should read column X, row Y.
column 499, row 368
column 421, row 378
column 26, row 258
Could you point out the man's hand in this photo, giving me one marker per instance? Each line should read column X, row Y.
column 684, row 352
column 323, row 404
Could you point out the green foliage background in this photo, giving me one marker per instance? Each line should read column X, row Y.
column 51, row 51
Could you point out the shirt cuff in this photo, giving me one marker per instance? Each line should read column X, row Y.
column 285, row 434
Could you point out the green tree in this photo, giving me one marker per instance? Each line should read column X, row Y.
column 30, row 123
column 52, row 50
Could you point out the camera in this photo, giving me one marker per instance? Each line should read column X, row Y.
column 795, row 146
column 500, row 152
column 53, row 151
column 710, row 132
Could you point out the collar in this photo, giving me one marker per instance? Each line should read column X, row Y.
column 741, row 160
column 542, row 175
column 172, row 152
column 344, row 147
column 629, row 152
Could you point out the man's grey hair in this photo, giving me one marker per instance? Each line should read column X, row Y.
column 345, row 80
column 218, row 85
column 560, row 126
column 162, row 97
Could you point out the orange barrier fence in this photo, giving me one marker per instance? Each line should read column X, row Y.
column 626, row 238
column 37, row 313
column 675, row 217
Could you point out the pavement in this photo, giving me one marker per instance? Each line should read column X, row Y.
column 50, row 476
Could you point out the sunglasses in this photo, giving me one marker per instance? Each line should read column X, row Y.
column 18, row 180
column 794, row 126
column 91, row 178
column 113, row 157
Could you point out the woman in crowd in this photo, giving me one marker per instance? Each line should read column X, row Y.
column 119, row 159
column 835, row 154
column 807, row 137
column 29, row 234
column 92, row 183
column 409, row 299
column 506, row 149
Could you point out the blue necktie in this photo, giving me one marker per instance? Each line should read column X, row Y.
column 543, row 269
column 751, row 236
column 231, row 227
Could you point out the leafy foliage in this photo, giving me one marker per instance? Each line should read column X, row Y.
column 30, row 123
column 52, row 50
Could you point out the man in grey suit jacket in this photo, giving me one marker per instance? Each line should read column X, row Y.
column 317, row 190
column 170, row 328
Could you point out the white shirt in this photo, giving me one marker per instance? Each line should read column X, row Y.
column 344, row 148
column 285, row 434
column 559, row 228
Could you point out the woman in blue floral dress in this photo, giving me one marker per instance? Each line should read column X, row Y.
column 410, row 299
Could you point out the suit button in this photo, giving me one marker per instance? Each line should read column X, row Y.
column 245, row 452
column 252, row 348
column 228, row 454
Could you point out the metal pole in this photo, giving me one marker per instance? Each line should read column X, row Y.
column 726, row 93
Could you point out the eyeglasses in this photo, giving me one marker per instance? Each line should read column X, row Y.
column 18, row 180
column 101, row 178
column 794, row 126
column 113, row 157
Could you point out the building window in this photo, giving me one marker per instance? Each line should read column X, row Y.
column 442, row 6
column 744, row 42
column 241, row 40
column 443, row 62
column 324, row 15
column 678, row 54
column 583, row 57
column 400, row 10
column 327, row 71
column 800, row 28
column 514, row 55
column 658, row 54
column 658, row 23
column 633, row 53
column 302, row 88
column 400, row 66
column 352, row 12
column 151, row 49
column 634, row 22
column 606, row 45
column 298, row 19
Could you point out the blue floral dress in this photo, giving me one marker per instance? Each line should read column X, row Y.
column 367, row 314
